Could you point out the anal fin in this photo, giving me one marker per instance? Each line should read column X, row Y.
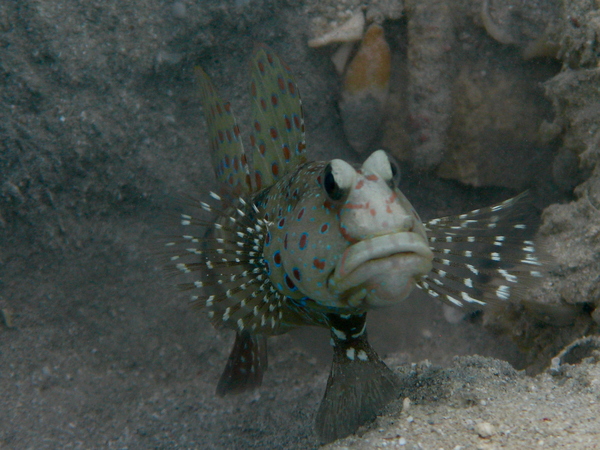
column 246, row 364
column 359, row 384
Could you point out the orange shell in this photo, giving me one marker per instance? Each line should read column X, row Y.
column 370, row 67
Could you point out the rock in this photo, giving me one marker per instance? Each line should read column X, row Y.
column 493, row 138
column 431, row 37
column 485, row 430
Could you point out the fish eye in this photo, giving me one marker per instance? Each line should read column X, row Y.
column 384, row 165
column 338, row 177
column 332, row 189
column 395, row 181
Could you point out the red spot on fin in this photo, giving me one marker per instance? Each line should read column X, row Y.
column 258, row 181
column 286, row 152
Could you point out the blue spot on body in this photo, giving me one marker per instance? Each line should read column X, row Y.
column 301, row 301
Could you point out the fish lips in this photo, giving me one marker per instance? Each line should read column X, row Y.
column 382, row 270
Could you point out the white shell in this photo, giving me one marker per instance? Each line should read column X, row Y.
column 350, row 31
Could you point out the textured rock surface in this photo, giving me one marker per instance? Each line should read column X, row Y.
column 472, row 405
column 431, row 37
column 494, row 139
column 462, row 103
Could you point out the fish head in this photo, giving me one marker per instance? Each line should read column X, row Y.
column 351, row 241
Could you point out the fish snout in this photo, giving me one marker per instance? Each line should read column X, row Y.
column 407, row 223
column 368, row 222
column 382, row 270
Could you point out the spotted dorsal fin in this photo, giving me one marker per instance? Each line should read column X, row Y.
column 277, row 118
column 227, row 151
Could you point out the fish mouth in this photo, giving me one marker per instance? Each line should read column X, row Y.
column 380, row 271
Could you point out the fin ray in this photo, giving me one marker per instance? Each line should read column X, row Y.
column 246, row 365
column 484, row 256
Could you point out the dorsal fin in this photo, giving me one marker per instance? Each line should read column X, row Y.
column 278, row 120
column 227, row 151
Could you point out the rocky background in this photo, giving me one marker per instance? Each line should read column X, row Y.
column 101, row 132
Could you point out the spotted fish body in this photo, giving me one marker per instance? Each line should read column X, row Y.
column 299, row 243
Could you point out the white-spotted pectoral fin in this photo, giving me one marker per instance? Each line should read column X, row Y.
column 486, row 256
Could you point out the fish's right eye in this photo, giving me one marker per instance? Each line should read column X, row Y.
column 338, row 177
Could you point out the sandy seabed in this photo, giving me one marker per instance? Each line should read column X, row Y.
column 101, row 132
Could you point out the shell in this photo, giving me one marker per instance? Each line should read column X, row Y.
column 499, row 33
column 350, row 31
column 341, row 56
column 365, row 90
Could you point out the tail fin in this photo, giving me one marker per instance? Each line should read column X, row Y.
column 359, row 386
column 246, row 365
